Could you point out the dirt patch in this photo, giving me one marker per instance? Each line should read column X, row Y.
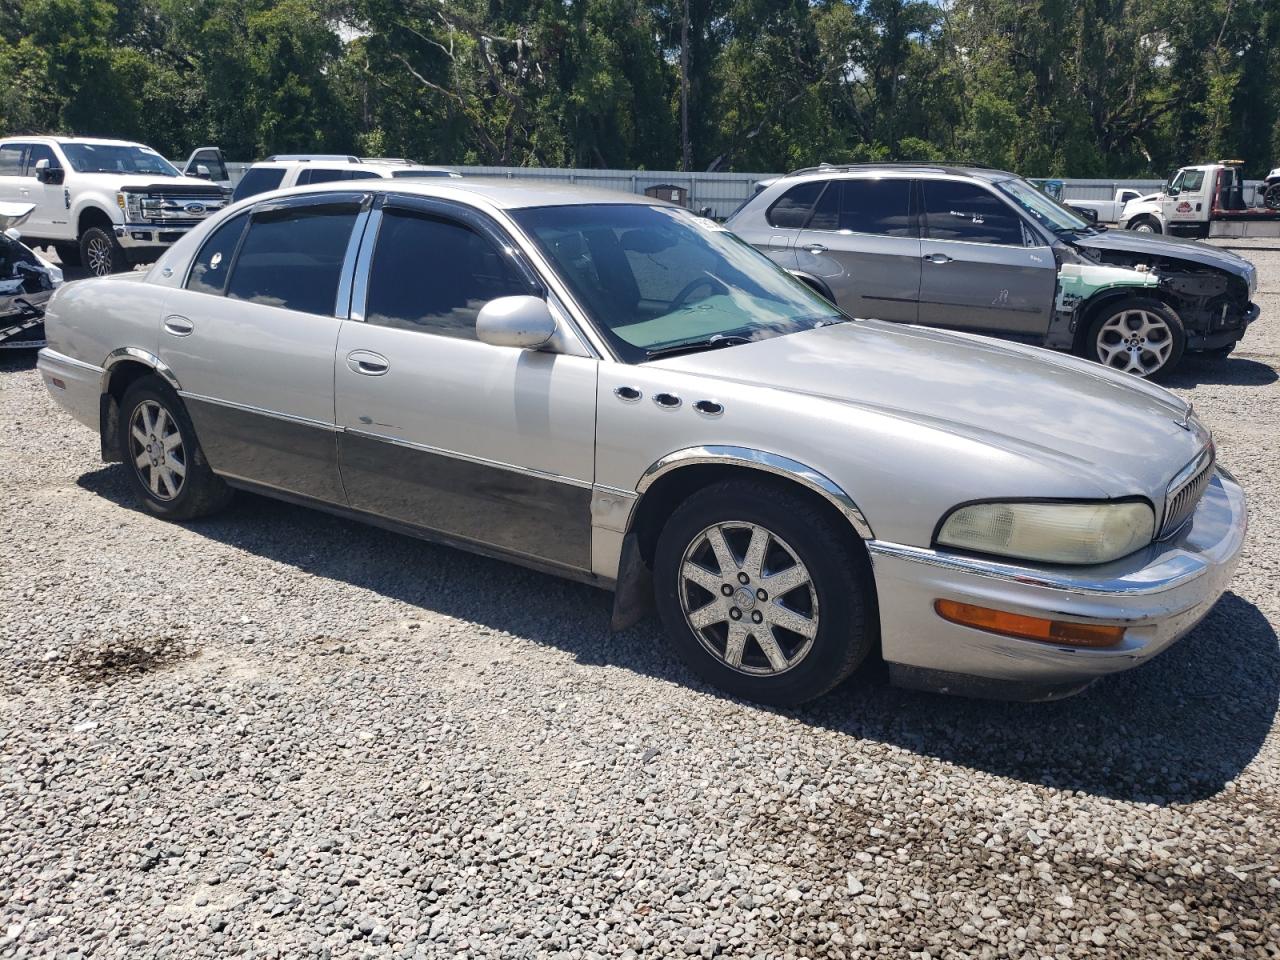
column 116, row 658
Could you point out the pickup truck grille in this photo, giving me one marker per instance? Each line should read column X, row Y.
column 1185, row 492
column 181, row 209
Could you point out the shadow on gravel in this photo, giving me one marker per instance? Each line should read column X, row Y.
column 1196, row 370
column 1173, row 731
column 12, row 360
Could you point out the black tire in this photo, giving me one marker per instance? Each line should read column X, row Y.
column 839, row 575
column 1093, row 350
column 200, row 491
column 1137, row 223
column 68, row 254
column 1271, row 196
column 101, row 254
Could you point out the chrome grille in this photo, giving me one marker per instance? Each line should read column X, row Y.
column 180, row 208
column 1185, row 492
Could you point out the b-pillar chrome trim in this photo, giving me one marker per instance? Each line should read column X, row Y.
column 768, row 463
column 139, row 355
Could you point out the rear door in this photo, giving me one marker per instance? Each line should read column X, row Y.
column 783, row 221
column 486, row 444
column 981, row 267
column 13, row 182
column 863, row 243
column 251, row 338
column 50, row 217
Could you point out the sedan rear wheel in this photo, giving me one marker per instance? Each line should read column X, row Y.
column 158, row 445
column 761, row 592
column 1141, row 336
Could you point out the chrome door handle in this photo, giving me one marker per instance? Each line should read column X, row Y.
column 937, row 258
column 368, row 363
column 179, row 326
column 815, row 248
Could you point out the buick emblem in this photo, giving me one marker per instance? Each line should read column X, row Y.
column 196, row 209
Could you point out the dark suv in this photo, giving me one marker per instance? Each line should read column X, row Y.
column 975, row 249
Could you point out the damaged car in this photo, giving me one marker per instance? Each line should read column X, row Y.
column 984, row 251
column 27, row 281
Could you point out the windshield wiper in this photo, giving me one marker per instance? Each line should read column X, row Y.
column 693, row 346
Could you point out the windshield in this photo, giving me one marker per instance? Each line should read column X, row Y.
column 1047, row 211
column 116, row 158
column 657, row 278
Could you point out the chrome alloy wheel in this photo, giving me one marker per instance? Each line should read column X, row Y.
column 1135, row 341
column 1144, row 227
column 99, row 261
column 155, row 443
column 748, row 598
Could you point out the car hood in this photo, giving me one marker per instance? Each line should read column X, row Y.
column 1158, row 245
column 1117, row 432
column 119, row 181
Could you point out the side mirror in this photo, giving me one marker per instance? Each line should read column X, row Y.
column 13, row 233
column 48, row 174
column 203, row 172
column 523, row 322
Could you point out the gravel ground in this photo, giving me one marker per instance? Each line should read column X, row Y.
column 281, row 734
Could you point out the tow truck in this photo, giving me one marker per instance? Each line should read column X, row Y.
column 1206, row 200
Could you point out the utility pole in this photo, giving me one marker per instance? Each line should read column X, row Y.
column 686, row 158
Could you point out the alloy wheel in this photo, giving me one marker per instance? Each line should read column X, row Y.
column 748, row 598
column 1145, row 227
column 159, row 456
column 99, row 262
column 1135, row 341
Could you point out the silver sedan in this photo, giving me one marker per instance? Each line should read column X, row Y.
column 611, row 389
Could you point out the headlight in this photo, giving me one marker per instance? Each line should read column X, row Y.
column 1076, row 533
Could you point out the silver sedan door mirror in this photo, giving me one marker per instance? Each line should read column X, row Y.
column 523, row 322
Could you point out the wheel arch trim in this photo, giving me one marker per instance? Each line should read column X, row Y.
column 136, row 355
column 764, row 462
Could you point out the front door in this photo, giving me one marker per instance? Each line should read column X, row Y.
column 862, row 241
column 981, row 268
column 489, row 445
column 251, row 337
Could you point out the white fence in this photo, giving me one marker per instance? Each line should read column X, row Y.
column 723, row 192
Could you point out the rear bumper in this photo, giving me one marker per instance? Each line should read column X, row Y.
column 1158, row 594
column 74, row 384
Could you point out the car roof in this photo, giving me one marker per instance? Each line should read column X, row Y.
column 500, row 192
column 901, row 168
column 96, row 141
column 384, row 167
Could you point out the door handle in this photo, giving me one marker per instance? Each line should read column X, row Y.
column 178, row 326
column 367, row 363
column 815, row 248
column 937, row 258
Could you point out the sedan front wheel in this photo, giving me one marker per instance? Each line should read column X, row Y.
column 760, row 595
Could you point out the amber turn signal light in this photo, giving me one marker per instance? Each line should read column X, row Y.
column 1029, row 628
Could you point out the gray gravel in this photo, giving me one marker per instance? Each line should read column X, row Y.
column 281, row 734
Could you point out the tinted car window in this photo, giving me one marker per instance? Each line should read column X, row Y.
column 962, row 211
column 791, row 210
column 212, row 264
column 257, row 180
column 11, row 159
column 434, row 275
column 292, row 257
column 826, row 214
column 876, row 206
column 320, row 175
column 38, row 152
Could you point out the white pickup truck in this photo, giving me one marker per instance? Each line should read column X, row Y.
column 1206, row 200
column 1108, row 211
column 106, row 204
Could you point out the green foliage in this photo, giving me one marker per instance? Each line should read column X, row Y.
column 1044, row 87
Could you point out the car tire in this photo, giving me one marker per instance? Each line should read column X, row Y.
column 101, row 254
column 68, row 254
column 1137, row 335
column 790, row 647
column 1145, row 225
column 1271, row 197
column 166, row 467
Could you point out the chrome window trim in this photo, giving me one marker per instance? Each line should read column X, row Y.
column 121, row 354
column 766, row 463
column 469, row 458
column 364, row 260
column 342, row 303
column 1169, row 573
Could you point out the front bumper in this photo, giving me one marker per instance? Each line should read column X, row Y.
column 139, row 236
column 1159, row 594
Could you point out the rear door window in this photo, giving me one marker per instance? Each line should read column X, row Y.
column 791, row 210
column 257, row 180
column 955, row 210
column 434, row 275
column 877, row 206
column 212, row 264
column 11, row 155
column 292, row 257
